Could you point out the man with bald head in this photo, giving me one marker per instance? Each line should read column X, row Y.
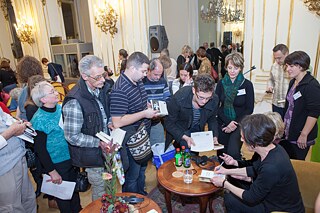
column 157, row 89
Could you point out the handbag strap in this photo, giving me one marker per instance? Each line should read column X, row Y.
column 54, row 69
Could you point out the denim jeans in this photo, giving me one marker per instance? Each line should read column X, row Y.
column 135, row 176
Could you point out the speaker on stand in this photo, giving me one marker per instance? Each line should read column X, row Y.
column 158, row 38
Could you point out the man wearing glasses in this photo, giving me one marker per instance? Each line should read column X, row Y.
column 189, row 111
column 86, row 112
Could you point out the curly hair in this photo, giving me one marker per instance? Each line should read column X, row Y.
column 28, row 66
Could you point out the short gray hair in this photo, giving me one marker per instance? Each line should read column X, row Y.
column 89, row 61
column 38, row 92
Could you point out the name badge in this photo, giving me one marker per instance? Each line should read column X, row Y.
column 297, row 95
column 241, row 92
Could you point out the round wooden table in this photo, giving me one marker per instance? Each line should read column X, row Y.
column 199, row 189
column 142, row 207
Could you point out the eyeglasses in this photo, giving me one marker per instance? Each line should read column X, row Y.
column 98, row 77
column 203, row 98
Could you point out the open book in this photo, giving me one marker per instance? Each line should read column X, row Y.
column 206, row 175
column 117, row 135
column 160, row 106
column 204, row 142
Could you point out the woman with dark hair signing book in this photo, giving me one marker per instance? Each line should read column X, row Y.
column 274, row 186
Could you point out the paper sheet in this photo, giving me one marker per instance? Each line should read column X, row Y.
column 63, row 191
column 203, row 141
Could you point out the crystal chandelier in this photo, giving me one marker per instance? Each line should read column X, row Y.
column 217, row 8
column 24, row 31
column 106, row 19
column 313, row 5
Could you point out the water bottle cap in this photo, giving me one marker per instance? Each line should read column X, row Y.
column 183, row 147
column 187, row 150
column 177, row 149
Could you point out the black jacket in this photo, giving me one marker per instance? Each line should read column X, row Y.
column 243, row 104
column 54, row 70
column 92, row 123
column 307, row 105
column 180, row 117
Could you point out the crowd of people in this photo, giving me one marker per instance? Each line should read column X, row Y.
column 195, row 101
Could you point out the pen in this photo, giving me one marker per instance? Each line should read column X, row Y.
column 220, row 165
column 21, row 121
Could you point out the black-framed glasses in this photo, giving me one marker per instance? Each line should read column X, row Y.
column 98, row 77
column 203, row 98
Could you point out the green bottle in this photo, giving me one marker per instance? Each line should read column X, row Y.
column 187, row 159
column 183, row 149
column 178, row 158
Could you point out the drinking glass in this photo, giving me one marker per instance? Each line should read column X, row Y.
column 188, row 176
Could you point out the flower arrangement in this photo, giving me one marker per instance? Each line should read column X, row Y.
column 110, row 202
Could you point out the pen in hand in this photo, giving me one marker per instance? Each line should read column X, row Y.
column 220, row 166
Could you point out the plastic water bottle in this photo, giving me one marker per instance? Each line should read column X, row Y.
column 178, row 158
column 187, row 159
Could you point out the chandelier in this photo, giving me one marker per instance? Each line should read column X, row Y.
column 313, row 5
column 217, row 8
column 106, row 19
column 24, row 31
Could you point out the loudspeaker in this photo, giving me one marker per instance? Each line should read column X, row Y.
column 158, row 38
column 16, row 50
column 227, row 38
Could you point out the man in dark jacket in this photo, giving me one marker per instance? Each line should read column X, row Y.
column 86, row 112
column 215, row 55
column 190, row 109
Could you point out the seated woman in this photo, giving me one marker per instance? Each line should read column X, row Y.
column 50, row 144
column 275, row 186
column 236, row 96
column 185, row 79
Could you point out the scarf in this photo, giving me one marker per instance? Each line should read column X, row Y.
column 230, row 91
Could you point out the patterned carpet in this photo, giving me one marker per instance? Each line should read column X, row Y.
column 191, row 204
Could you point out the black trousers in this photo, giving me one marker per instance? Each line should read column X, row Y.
column 236, row 205
column 232, row 143
column 68, row 173
column 294, row 151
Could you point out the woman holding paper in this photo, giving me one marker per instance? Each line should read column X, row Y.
column 274, row 185
column 236, row 97
column 50, row 144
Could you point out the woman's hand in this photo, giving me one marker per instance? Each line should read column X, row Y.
column 231, row 127
column 55, row 177
column 228, row 159
column 220, row 170
column 217, row 181
column 302, row 141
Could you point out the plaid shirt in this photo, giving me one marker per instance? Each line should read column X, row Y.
column 73, row 120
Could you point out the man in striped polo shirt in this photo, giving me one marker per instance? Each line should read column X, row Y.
column 157, row 89
column 129, row 108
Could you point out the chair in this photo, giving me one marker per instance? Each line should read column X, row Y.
column 60, row 89
column 308, row 178
column 70, row 86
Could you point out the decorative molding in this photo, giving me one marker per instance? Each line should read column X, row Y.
column 262, row 36
column 4, row 8
column 316, row 63
column 252, row 29
column 59, row 2
column 276, row 34
column 44, row 2
column 290, row 23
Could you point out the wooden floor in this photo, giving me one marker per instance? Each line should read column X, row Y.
column 263, row 104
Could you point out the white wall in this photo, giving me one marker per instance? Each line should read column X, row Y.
column 285, row 21
column 180, row 18
column 207, row 30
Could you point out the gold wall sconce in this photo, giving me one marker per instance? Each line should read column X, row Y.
column 106, row 19
column 313, row 5
column 237, row 32
column 24, row 31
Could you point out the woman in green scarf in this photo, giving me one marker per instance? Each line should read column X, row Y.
column 236, row 96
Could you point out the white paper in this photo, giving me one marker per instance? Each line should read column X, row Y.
column 26, row 138
column 160, row 106
column 63, row 191
column 203, row 141
column 118, row 136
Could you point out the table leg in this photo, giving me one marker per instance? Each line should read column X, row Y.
column 168, row 201
column 203, row 203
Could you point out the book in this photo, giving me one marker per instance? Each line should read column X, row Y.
column 206, row 175
column 160, row 106
column 117, row 135
column 204, row 142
